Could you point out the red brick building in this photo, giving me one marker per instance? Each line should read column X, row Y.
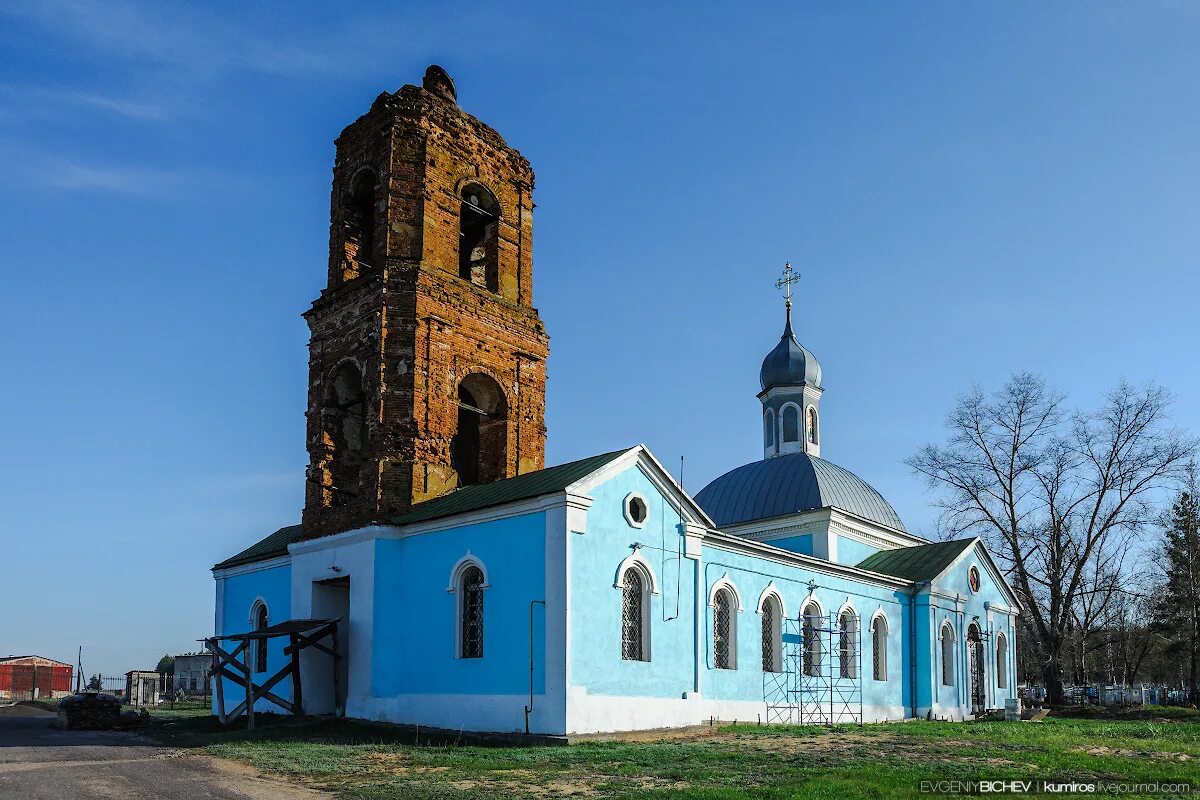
column 31, row 677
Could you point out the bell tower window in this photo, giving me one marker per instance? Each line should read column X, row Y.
column 344, row 424
column 358, row 226
column 479, row 449
column 791, row 424
column 479, row 234
column 812, row 425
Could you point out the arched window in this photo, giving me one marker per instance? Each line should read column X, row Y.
column 724, row 630
column 261, row 621
column 479, row 236
column 791, row 424
column 848, row 644
column 1001, row 661
column 479, row 449
column 813, row 648
column 344, row 424
column 879, row 641
column 772, row 644
column 358, row 226
column 635, row 615
column 769, row 429
column 812, row 425
column 947, row 655
column 470, row 610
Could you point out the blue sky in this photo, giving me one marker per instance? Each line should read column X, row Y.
column 967, row 189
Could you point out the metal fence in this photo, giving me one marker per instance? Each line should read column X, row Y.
column 1144, row 694
column 144, row 689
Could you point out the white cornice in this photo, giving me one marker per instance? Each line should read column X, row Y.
column 254, row 566
column 340, row 539
column 741, row 544
column 530, row 506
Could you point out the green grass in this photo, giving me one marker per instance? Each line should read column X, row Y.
column 361, row 760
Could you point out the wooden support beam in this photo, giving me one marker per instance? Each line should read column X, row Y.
column 249, row 691
column 294, row 666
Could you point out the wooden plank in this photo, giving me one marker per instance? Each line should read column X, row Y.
column 294, row 666
column 312, row 639
column 220, row 683
column 229, row 659
column 249, row 691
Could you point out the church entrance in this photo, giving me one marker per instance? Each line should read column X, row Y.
column 976, row 658
column 330, row 600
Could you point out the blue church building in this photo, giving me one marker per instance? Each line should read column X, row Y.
column 595, row 595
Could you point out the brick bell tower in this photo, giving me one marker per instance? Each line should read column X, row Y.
column 427, row 361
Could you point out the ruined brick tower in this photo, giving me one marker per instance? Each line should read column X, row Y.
column 427, row 362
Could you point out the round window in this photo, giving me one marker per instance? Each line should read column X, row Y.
column 973, row 578
column 636, row 510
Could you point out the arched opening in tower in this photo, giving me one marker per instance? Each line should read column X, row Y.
column 479, row 449
column 479, row 235
column 344, row 431
column 358, row 226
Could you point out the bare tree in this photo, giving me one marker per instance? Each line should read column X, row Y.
column 1058, row 496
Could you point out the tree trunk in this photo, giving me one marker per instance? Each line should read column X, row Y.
column 1052, row 677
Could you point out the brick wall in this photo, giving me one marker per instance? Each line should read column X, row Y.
column 407, row 320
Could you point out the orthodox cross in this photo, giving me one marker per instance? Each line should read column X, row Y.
column 786, row 281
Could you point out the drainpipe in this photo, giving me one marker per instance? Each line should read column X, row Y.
column 529, row 708
column 912, row 646
column 697, row 630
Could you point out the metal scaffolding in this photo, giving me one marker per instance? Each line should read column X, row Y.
column 820, row 680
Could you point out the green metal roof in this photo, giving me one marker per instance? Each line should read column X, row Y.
column 274, row 545
column 921, row 563
column 509, row 490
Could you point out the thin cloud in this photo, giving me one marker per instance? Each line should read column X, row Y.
column 48, row 103
column 35, row 169
column 179, row 36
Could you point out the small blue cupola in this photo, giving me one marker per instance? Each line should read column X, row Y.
column 790, row 378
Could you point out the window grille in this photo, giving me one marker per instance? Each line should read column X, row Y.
column 722, row 631
column 771, row 644
column 879, row 636
column 947, row 656
column 260, row 645
column 632, row 642
column 472, row 613
column 847, row 644
column 812, row 641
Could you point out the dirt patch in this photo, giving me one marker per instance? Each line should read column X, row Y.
column 1119, row 752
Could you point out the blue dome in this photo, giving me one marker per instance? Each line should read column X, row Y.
column 789, row 364
column 788, row 485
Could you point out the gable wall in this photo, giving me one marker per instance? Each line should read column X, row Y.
column 236, row 596
column 953, row 601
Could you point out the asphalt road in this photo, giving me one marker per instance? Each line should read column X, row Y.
column 40, row 762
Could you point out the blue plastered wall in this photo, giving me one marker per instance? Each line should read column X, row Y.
column 274, row 587
column 852, row 551
column 595, row 609
column 751, row 576
column 414, row 618
column 989, row 607
column 594, row 620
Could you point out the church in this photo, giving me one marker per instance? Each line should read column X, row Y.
column 475, row 588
